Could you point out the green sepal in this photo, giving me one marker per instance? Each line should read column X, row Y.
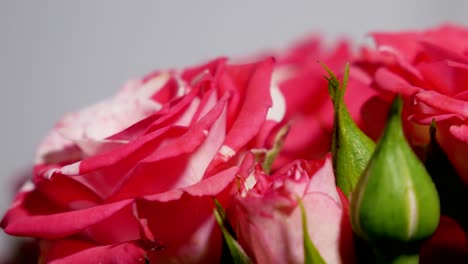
column 351, row 148
column 395, row 205
column 271, row 154
column 311, row 254
column 238, row 255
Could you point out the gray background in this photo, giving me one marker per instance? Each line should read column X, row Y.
column 57, row 56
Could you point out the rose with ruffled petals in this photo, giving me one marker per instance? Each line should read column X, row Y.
column 430, row 69
column 134, row 177
column 267, row 218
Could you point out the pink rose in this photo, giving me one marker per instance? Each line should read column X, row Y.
column 267, row 218
column 308, row 107
column 430, row 69
column 134, row 176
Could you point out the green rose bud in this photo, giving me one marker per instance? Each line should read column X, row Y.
column 351, row 148
column 395, row 205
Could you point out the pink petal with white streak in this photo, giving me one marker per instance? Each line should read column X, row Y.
column 184, row 161
column 252, row 114
column 103, row 119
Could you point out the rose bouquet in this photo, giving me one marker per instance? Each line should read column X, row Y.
column 312, row 154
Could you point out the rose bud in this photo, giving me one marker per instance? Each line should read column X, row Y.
column 351, row 148
column 267, row 218
column 395, row 205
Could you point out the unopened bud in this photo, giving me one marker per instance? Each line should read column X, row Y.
column 395, row 204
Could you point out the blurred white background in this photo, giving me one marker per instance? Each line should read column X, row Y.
column 58, row 56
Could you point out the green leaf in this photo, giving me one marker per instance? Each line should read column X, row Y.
column 237, row 253
column 351, row 148
column 311, row 254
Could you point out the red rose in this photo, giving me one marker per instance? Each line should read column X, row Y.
column 267, row 218
column 135, row 175
column 430, row 69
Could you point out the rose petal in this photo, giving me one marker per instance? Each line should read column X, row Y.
column 254, row 109
column 438, row 51
column 323, row 181
column 453, row 140
column 188, row 243
column 445, row 77
column 392, row 82
column 184, row 161
column 444, row 103
column 403, row 41
column 208, row 187
column 77, row 251
column 169, row 115
column 19, row 222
